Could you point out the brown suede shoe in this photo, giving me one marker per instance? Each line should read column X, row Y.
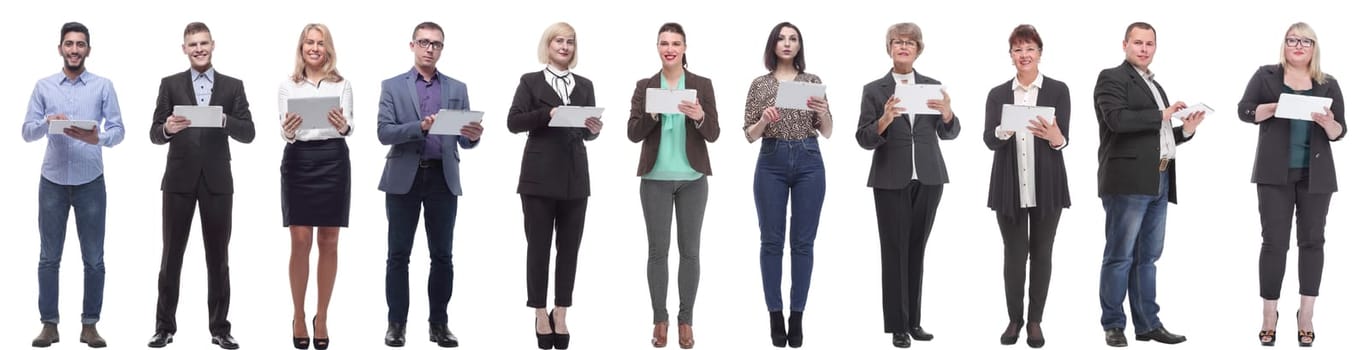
column 91, row 337
column 47, row 336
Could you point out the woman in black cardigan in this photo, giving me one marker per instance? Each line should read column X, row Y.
column 1028, row 187
column 1294, row 172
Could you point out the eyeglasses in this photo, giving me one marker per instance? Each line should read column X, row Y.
column 901, row 42
column 429, row 44
column 1294, row 42
column 78, row 44
column 1022, row 50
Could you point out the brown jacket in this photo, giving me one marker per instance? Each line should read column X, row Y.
column 644, row 126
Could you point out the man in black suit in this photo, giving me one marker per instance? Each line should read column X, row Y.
column 197, row 171
column 1136, row 175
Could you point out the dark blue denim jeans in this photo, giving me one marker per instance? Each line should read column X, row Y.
column 55, row 202
column 788, row 169
column 1135, row 239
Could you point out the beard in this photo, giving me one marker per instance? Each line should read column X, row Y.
column 76, row 67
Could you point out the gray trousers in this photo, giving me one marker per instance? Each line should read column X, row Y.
column 687, row 199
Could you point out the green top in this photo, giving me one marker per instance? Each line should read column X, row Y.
column 672, row 164
column 1300, row 135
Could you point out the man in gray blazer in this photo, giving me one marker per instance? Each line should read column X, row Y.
column 421, row 170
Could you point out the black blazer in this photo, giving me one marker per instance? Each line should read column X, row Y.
column 1271, row 154
column 1128, row 134
column 1052, row 185
column 891, row 167
column 201, row 151
column 554, row 159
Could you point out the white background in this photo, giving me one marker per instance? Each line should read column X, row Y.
column 1207, row 278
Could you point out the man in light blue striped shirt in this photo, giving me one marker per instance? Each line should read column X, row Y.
column 72, row 177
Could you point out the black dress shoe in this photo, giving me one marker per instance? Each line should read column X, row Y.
column 901, row 340
column 1034, row 337
column 1009, row 336
column 438, row 333
column 1114, row 337
column 47, row 336
column 394, row 334
column 778, row 336
column 91, row 337
column 920, row 335
column 159, row 339
column 1161, row 335
column 795, row 329
column 225, row 341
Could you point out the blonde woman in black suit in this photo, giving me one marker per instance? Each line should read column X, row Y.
column 1028, row 187
column 554, row 182
column 1294, row 174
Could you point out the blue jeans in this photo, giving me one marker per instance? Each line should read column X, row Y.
column 54, row 204
column 430, row 195
column 785, row 169
column 1135, row 239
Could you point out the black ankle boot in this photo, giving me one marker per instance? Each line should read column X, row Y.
column 777, row 335
column 795, row 329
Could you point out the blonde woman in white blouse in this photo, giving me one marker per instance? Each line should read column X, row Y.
column 315, row 176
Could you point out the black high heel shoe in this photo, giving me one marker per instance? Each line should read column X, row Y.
column 299, row 343
column 319, row 343
column 1269, row 333
column 1310, row 336
column 544, row 341
column 778, row 336
column 559, row 340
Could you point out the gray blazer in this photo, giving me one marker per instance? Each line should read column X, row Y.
column 398, row 128
column 891, row 167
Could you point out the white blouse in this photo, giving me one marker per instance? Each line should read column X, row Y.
column 290, row 89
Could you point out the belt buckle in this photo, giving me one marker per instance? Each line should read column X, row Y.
column 1164, row 164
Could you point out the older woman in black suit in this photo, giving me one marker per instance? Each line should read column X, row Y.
column 907, row 173
column 1294, row 174
column 1028, row 187
column 554, row 182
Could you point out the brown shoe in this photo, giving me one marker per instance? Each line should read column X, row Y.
column 686, row 336
column 47, row 336
column 91, row 337
column 658, row 335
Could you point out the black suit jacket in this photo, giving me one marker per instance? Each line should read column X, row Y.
column 1052, row 185
column 1271, row 154
column 554, row 160
column 891, row 167
column 1129, row 134
column 201, row 151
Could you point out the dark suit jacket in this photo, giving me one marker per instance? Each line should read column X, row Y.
column 397, row 125
column 1129, row 134
column 643, row 126
column 892, row 164
column 554, row 160
column 1271, row 155
column 1052, row 185
column 201, row 151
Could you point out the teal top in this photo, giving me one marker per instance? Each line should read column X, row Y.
column 672, row 164
column 1299, row 138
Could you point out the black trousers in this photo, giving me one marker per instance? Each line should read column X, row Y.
column 216, row 220
column 1278, row 205
column 1028, row 234
column 905, row 219
column 540, row 216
